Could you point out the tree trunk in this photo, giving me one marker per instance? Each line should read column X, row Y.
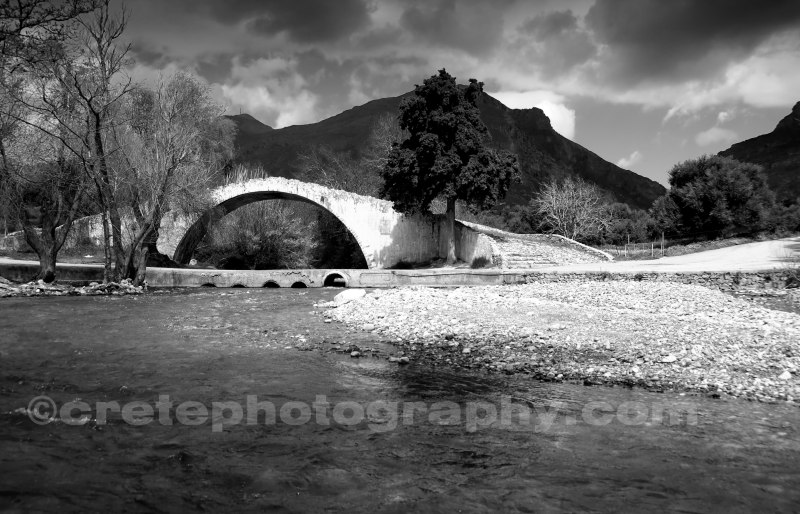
column 120, row 260
column 47, row 267
column 106, row 249
column 42, row 242
column 451, row 229
column 141, row 267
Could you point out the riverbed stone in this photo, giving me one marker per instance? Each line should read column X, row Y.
column 348, row 296
column 679, row 337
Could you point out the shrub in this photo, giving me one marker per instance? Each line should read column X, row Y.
column 480, row 262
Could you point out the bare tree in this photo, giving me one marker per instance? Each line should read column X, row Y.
column 335, row 169
column 384, row 133
column 573, row 208
column 44, row 188
column 72, row 92
column 272, row 234
column 342, row 170
column 29, row 25
column 41, row 186
column 173, row 143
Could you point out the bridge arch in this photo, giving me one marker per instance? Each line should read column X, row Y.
column 197, row 230
column 384, row 236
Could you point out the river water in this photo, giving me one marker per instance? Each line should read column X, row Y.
column 349, row 434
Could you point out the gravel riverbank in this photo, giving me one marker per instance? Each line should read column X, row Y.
column 661, row 336
column 40, row 288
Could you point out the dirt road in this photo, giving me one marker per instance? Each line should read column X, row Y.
column 764, row 255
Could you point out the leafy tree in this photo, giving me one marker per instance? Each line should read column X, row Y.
column 628, row 222
column 573, row 208
column 720, row 196
column 446, row 154
column 666, row 215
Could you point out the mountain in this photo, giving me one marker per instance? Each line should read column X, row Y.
column 778, row 152
column 543, row 153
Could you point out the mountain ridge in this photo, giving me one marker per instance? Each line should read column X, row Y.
column 779, row 154
column 543, row 153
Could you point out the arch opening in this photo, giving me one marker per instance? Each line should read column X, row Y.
column 259, row 227
column 271, row 284
column 208, row 284
column 299, row 285
column 238, row 286
column 334, row 280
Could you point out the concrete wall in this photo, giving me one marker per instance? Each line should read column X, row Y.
column 86, row 231
column 470, row 244
column 172, row 277
column 726, row 281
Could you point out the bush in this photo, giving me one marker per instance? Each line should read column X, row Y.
column 262, row 235
column 480, row 262
column 719, row 197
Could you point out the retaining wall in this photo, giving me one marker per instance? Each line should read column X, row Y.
column 725, row 281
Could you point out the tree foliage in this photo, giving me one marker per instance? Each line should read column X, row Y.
column 447, row 153
column 718, row 196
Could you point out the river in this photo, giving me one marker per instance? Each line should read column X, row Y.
column 349, row 434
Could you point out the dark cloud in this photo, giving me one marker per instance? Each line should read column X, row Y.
column 335, row 80
column 475, row 28
column 146, row 54
column 547, row 25
column 311, row 21
column 560, row 42
column 675, row 40
column 215, row 68
column 305, row 21
column 380, row 37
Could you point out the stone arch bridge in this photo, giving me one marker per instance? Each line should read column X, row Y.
column 385, row 236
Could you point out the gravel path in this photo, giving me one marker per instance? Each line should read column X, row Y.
column 779, row 254
column 656, row 335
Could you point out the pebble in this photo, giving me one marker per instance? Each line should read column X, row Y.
column 718, row 339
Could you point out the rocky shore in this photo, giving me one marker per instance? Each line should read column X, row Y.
column 40, row 288
column 658, row 335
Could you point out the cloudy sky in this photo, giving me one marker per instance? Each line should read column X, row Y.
column 643, row 83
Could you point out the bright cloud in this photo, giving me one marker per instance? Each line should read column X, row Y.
column 629, row 161
column 271, row 90
column 715, row 135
